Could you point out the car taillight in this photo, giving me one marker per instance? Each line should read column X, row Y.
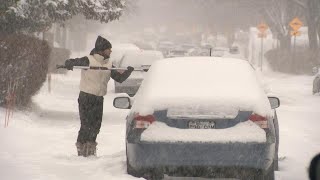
column 143, row 122
column 259, row 120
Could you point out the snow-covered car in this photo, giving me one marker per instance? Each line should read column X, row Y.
column 316, row 81
column 199, row 52
column 214, row 122
column 137, row 59
column 218, row 52
column 234, row 50
column 119, row 49
column 176, row 53
column 187, row 47
column 165, row 46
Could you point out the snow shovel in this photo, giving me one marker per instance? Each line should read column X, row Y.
column 142, row 68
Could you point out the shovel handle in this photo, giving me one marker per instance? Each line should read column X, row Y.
column 60, row 66
column 100, row 68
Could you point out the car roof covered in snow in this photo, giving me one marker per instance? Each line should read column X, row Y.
column 119, row 49
column 206, row 86
column 142, row 57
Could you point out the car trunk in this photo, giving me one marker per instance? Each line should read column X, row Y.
column 192, row 121
column 203, row 129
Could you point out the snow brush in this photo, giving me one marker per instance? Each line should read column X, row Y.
column 142, row 68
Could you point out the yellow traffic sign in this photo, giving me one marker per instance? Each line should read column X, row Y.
column 295, row 33
column 262, row 35
column 296, row 24
column 262, row 27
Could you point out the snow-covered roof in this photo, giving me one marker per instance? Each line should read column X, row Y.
column 124, row 46
column 142, row 57
column 119, row 49
column 201, row 86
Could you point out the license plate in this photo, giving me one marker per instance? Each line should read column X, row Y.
column 201, row 125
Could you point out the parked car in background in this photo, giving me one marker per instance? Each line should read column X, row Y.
column 144, row 45
column 176, row 53
column 165, row 47
column 187, row 47
column 137, row 59
column 199, row 52
column 214, row 122
column 218, row 51
column 316, row 81
column 314, row 168
column 234, row 50
column 119, row 49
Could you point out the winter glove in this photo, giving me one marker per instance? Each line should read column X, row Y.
column 130, row 68
column 68, row 65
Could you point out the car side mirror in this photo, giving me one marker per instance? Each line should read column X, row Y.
column 314, row 169
column 274, row 102
column 122, row 103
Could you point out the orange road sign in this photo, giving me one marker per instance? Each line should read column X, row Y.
column 296, row 24
column 262, row 27
column 295, row 33
column 262, row 35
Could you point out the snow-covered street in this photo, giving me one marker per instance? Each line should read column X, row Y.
column 227, row 89
column 39, row 144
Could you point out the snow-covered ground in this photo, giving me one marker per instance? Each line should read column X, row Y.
column 39, row 144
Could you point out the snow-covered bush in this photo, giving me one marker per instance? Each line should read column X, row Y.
column 39, row 15
column 23, row 62
column 300, row 62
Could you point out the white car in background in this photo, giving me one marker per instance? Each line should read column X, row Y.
column 316, row 81
column 176, row 53
column 119, row 49
column 165, row 47
column 137, row 59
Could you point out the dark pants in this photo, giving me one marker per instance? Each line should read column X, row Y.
column 90, row 110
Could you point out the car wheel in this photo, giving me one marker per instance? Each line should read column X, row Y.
column 131, row 170
column 276, row 154
column 154, row 174
column 316, row 85
column 270, row 174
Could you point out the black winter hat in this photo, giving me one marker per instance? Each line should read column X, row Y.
column 102, row 44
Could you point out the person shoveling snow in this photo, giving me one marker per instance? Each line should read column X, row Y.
column 93, row 86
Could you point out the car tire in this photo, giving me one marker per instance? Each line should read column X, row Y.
column 131, row 170
column 270, row 174
column 154, row 174
column 276, row 154
column 316, row 85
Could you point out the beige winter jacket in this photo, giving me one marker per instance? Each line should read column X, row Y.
column 96, row 81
